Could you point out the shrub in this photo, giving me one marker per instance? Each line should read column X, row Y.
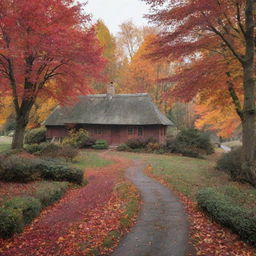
column 227, row 213
column 68, row 152
column 23, row 170
column 60, row 172
column 29, row 207
column 231, row 162
column 35, row 136
column 150, row 140
column 100, row 144
column 151, row 147
column 123, row 147
column 48, row 193
column 19, row 169
column 135, row 143
column 190, row 142
column 11, row 222
column 193, row 138
column 35, row 148
column 79, row 139
column 51, row 150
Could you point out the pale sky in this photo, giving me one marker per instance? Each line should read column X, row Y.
column 114, row 12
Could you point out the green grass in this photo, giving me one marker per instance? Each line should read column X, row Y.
column 189, row 175
column 4, row 147
column 233, row 144
column 90, row 159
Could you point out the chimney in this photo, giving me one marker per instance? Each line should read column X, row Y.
column 111, row 89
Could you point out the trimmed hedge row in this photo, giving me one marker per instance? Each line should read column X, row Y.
column 100, row 144
column 16, row 213
column 20, row 211
column 242, row 221
column 15, row 168
column 48, row 193
column 52, row 150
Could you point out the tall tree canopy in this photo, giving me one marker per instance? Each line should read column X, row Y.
column 142, row 74
column 46, row 47
column 222, row 30
column 108, row 44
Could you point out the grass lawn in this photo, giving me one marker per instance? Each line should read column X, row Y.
column 4, row 147
column 90, row 159
column 189, row 175
column 5, row 143
column 233, row 144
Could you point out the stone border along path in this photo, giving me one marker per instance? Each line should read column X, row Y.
column 162, row 226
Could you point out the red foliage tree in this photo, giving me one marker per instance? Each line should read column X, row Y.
column 46, row 47
column 199, row 25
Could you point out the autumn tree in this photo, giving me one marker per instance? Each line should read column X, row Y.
column 108, row 44
column 142, row 74
column 129, row 38
column 43, row 43
column 192, row 27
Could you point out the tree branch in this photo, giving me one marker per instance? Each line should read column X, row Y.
column 218, row 33
column 238, row 17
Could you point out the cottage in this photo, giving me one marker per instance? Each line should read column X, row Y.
column 115, row 118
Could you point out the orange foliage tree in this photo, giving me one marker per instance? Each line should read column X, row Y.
column 40, row 42
column 193, row 27
column 108, row 44
column 142, row 74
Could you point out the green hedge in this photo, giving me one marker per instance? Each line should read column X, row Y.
column 190, row 142
column 28, row 206
column 100, row 144
column 49, row 193
column 16, row 213
column 11, row 222
column 231, row 162
column 221, row 208
column 35, row 148
column 20, row 169
column 19, row 211
column 34, row 136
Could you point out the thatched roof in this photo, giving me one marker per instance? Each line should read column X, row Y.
column 120, row 109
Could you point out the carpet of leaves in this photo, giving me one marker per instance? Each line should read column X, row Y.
column 11, row 189
column 208, row 237
column 79, row 222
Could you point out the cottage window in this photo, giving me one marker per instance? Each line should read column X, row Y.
column 130, row 130
column 140, row 131
column 98, row 131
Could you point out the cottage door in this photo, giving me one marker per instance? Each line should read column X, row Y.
column 115, row 135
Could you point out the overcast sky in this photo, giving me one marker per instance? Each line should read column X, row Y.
column 114, row 12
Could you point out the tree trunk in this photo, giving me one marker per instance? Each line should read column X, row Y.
column 19, row 133
column 249, row 113
column 249, row 117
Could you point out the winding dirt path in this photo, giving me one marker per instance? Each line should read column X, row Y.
column 162, row 227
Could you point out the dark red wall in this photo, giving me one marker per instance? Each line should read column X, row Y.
column 56, row 131
column 114, row 134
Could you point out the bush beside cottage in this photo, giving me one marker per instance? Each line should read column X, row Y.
column 188, row 142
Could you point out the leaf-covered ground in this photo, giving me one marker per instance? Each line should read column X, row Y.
column 87, row 221
column 11, row 189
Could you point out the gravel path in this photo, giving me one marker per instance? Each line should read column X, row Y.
column 162, row 228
